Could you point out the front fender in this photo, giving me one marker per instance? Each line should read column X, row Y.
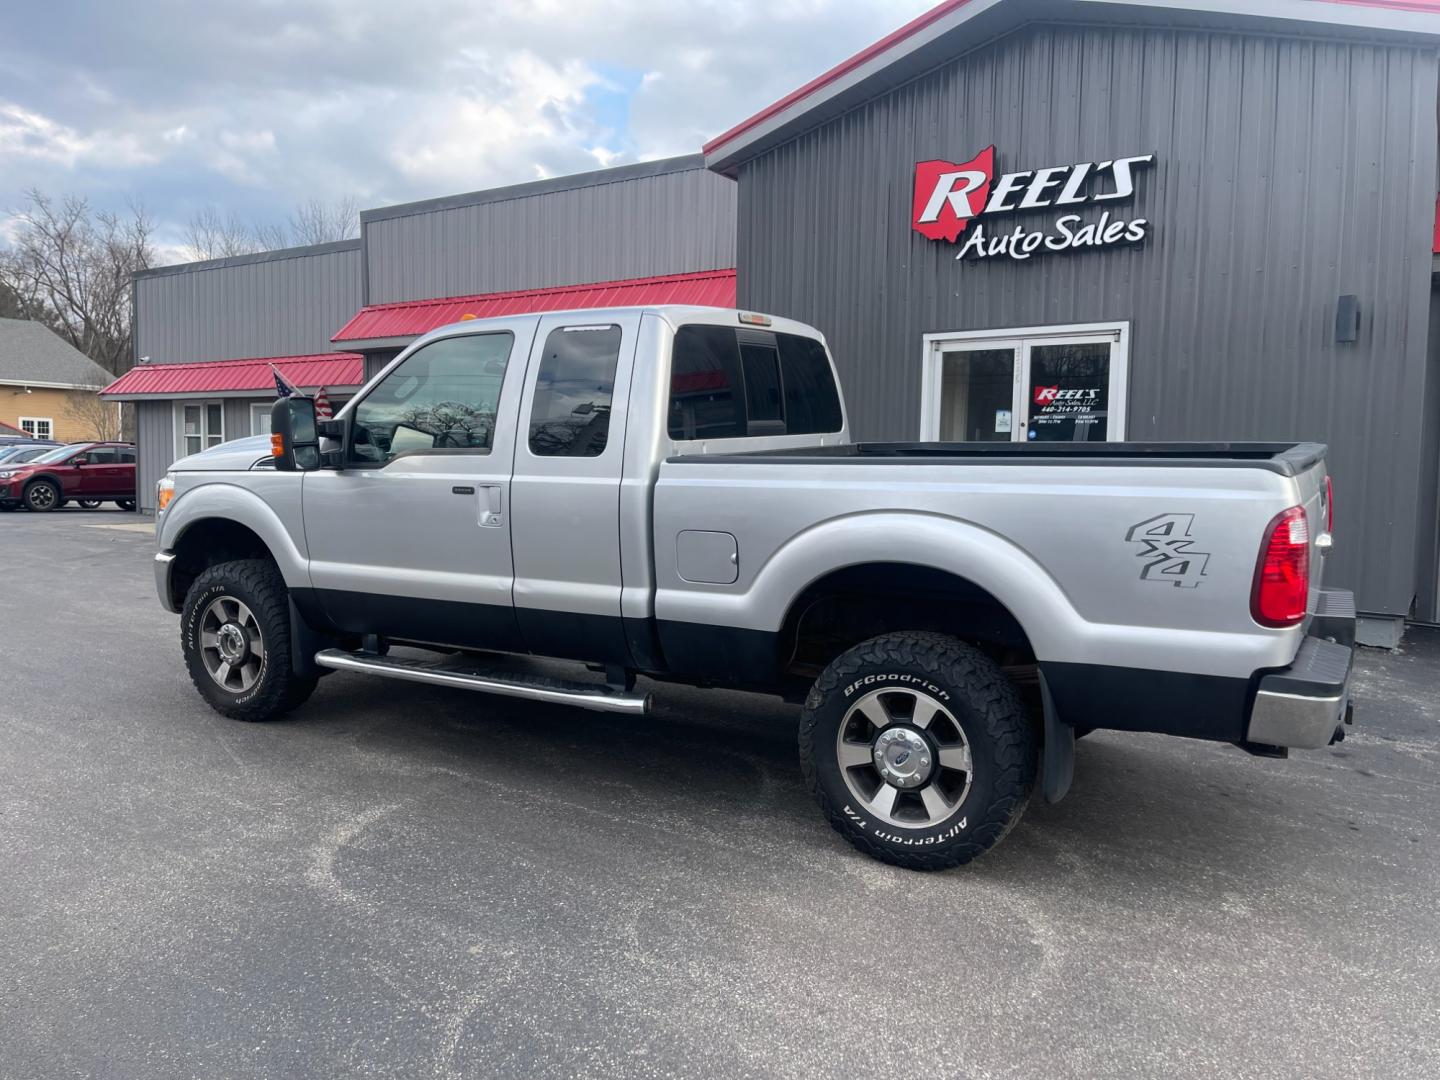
column 269, row 506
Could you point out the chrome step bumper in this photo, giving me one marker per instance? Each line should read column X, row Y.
column 1303, row 705
column 537, row 688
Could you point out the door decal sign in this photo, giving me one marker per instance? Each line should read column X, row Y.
column 955, row 199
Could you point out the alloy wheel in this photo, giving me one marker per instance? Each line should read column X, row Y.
column 231, row 644
column 905, row 758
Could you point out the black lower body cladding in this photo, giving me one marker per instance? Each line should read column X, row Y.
column 1136, row 699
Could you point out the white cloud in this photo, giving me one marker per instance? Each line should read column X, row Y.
column 256, row 108
column 25, row 134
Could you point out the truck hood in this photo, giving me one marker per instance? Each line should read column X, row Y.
column 238, row 455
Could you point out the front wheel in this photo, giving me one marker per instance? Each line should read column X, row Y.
column 42, row 496
column 89, row 504
column 235, row 633
column 918, row 750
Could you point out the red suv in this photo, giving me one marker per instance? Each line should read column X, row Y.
column 87, row 473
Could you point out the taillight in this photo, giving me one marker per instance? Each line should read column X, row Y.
column 1282, row 579
column 1329, row 505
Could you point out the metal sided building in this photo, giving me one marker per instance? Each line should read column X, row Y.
column 656, row 232
column 207, row 335
column 1139, row 219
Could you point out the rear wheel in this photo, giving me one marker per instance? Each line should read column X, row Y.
column 89, row 504
column 235, row 633
column 43, row 496
column 125, row 504
column 918, row 750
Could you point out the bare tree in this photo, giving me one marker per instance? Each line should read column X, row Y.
column 211, row 235
column 70, row 267
column 318, row 222
column 100, row 420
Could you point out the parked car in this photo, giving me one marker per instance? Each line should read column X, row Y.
column 22, row 452
column 671, row 492
column 84, row 472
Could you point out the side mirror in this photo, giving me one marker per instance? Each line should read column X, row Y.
column 81, row 460
column 294, row 441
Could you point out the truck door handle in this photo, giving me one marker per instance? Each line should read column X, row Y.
column 492, row 505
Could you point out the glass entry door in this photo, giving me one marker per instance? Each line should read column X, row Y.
column 1054, row 384
column 1067, row 391
column 977, row 394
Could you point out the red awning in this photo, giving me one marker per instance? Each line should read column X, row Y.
column 330, row 370
column 709, row 288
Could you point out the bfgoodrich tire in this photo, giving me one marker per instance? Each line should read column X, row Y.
column 918, row 750
column 235, row 633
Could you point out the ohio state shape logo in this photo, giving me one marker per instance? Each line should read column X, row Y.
column 949, row 196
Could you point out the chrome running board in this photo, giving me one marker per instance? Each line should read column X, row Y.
column 536, row 688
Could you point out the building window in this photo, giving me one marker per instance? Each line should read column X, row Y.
column 201, row 425
column 40, row 427
column 260, row 417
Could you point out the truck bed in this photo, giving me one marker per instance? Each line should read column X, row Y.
column 1285, row 459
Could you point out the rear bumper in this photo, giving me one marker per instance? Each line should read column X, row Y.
column 1301, row 706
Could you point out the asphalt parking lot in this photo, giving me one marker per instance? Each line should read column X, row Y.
column 403, row 881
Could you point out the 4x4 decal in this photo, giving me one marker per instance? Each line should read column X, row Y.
column 1168, row 550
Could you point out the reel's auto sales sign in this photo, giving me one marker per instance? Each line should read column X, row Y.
column 958, row 198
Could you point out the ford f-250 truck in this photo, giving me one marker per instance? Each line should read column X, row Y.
column 671, row 492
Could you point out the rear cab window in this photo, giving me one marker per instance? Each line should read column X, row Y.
column 733, row 382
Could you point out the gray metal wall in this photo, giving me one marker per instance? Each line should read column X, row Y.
column 281, row 303
column 662, row 217
column 154, row 448
column 1289, row 172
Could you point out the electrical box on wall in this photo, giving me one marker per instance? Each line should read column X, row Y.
column 1347, row 319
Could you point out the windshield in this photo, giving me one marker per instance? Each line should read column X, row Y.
column 60, row 453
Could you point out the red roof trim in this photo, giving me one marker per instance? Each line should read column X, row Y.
column 331, row 370
column 934, row 15
column 411, row 318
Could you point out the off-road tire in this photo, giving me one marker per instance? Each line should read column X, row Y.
column 258, row 585
column 36, row 491
column 1003, row 740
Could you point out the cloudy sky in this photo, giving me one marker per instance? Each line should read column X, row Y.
column 256, row 107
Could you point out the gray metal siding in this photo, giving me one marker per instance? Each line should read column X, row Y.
column 1289, row 172
column 671, row 223
column 154, row 448
column 238, row 308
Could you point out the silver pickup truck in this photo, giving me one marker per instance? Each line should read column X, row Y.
column 671, row 492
